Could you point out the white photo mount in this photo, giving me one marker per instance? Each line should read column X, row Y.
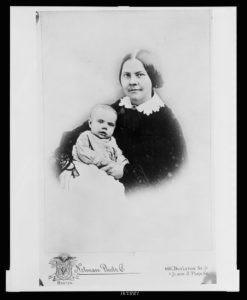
column 34, row 57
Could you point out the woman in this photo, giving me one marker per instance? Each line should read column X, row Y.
column 146, row 130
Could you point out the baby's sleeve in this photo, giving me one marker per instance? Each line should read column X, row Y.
column 83, row 150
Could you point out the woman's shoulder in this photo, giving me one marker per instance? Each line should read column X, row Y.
column 165, row 112
column 164, row 118
column 162, row 114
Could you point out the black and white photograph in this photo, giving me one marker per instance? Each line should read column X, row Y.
column 125, row 148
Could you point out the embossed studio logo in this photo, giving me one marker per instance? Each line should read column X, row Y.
column 64, row 264
column 68, row 269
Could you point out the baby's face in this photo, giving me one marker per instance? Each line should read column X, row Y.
column 102, row 123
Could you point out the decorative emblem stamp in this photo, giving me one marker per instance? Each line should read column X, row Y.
column 67, row 269
column 64, row 268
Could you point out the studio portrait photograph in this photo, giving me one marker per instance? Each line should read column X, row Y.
column 125, row 110
column 127, row 130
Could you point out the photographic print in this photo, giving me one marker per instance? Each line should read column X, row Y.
column 126, row 190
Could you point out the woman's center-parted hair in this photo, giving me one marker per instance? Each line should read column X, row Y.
column 102, row 107
column 149, row 64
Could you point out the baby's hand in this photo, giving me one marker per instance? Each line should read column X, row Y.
column 114, row 169
column 100, row 161
column 105, row 162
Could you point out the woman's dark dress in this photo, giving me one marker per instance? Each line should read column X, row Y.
column 153, row 144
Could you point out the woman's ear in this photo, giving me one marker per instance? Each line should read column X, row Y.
column 89, row 123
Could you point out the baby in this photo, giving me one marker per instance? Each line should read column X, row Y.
column 97, row 146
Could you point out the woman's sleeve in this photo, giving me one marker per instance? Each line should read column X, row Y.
column 121, row 159
column 134, row 177
column 169, row 150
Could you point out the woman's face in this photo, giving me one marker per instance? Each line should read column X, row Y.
column 135, row 82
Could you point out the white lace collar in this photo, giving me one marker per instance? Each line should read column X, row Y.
column 148, row 107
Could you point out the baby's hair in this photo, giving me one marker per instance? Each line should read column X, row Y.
column 102, row 106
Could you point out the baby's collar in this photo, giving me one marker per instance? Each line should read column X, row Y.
column 147, row 108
